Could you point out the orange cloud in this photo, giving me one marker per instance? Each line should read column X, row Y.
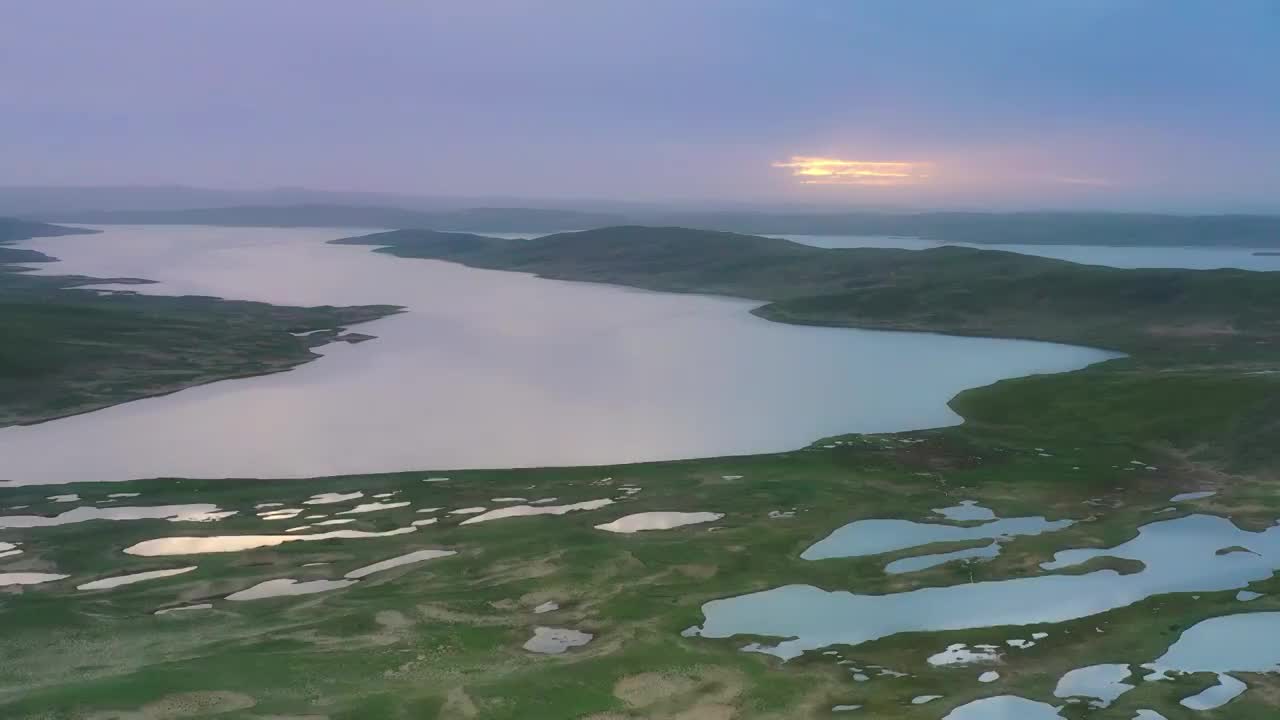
column 833, row 171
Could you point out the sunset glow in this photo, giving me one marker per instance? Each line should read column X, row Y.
column 813, row 170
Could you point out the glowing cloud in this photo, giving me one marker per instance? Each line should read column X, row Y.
column 1097, row 182
column 834, row 171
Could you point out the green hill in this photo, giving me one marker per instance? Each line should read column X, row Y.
column 66, row 351
column 948, row 289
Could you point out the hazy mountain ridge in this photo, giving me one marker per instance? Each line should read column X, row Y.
column 352, row 216
column 1031, row 228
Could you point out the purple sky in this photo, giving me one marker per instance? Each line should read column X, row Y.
column 1146, row 104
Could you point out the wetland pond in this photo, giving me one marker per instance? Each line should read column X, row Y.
column 490, row 369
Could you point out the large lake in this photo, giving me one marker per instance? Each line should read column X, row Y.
column 490, row 369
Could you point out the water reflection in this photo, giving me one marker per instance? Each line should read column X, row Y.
column 491, row 369
column 1178, row 555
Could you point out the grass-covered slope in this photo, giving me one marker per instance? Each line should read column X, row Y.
column 1210, row 335
column 1029, row 228
column 1193, row 409
column 949, row 289
column 67, row 351
column 13, row 230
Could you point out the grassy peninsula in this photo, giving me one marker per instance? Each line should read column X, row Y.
column 68, row 350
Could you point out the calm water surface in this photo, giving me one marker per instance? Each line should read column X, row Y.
column 490, row 369
column 1177, row 556
column 1191, row 258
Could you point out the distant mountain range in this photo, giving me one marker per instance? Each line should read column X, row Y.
column 1043, row 228
column 291, row 207
column 531, row 220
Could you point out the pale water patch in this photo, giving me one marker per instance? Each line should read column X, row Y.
column 922, row 699
column 184, row 608
column 922, row 562
column 1247, row 595
column 330, row 498
column 645, row 521
column 967, row 510
column 845, row 708
column 1102, row 684
column 287, row 586
column 336, row 521
column 1245, row 642
column 989, row 676
column 528, row 510
column 63, row 498
column 876, row 536
column 180, row 513
column 237, row 543
column 467, row 511
column 960, row 654
column 1215, row 696
column 281, row 514
column 444, row 378
column 425, row 521
column 407, row 559
column 118, row 580
column 1193, row 496
column 553, row 641
column 373, row 507
column 1178, row 555
column 203, row 517
column 1004, row 707
column 546, row 607
column 28, row 578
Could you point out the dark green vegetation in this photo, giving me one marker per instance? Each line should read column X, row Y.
column 13, row 230
column 68, row 351
column 1033, row 228
column 443, row 639
column 949, row 289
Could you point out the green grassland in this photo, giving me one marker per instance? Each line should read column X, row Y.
column 68, row 351
column 442, row 639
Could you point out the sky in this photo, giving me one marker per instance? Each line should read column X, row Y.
column 1116, row 104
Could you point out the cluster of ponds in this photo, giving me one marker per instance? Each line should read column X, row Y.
column 1195, row 553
